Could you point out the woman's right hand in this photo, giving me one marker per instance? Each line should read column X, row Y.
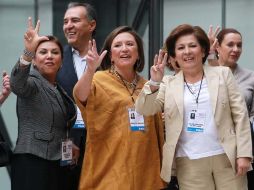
column 93, row 58
column 31, row 36
column 159, row 63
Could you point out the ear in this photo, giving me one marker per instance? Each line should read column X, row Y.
column 217, row 47
column 203, row 52
column 92, row 24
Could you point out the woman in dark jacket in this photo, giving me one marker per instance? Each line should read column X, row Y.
column 45, row 113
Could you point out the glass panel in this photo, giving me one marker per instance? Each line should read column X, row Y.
column 238, row 16
column 145, row 37
column 132, row 10
column 143, row 31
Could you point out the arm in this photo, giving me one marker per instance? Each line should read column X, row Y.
column 241, row 121
column 21, row 84
column 6, row 89
column 83, row 86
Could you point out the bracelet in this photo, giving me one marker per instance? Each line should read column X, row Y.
column 153, row 83
column 28, row 53
column 212, row 56
column 23, row 62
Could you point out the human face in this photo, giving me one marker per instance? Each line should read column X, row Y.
column 124, row 51
column 230, row 49
column 48, row 60
column 188, row 52
column 77, row 27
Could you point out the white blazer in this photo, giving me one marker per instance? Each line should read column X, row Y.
column 228, row 107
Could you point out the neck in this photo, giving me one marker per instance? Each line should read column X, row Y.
column 82, row 48
column 51, row 79
column 232, row 66
column 128, row 75
column 193, row 76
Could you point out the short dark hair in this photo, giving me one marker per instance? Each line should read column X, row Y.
column 185, row 29
column 106, row 62
column 91, row 12
column 55, row 40
column 221, row 35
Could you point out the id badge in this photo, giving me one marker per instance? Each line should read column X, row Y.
column 79, row 121
column 196, row 120
column 137, row 122
column 66, row 147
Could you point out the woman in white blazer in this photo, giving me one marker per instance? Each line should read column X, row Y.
column 207, row 126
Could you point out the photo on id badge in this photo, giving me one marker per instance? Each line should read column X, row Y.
column 196, row 121
column 136, row 120
column 66, row 152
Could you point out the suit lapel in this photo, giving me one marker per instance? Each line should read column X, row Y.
column 69, row 64
column 178, row 93
column 213, row 86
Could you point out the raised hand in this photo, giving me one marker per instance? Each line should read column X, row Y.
column 159, row 63
column 212, row 37
column 31, row 36
column 93, row 58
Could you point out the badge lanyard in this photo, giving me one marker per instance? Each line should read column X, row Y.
column 131, row 93
column 196, row 117
column 137, row 122
column 198, row 90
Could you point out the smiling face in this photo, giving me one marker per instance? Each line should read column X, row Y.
column 77, row 27
column 124, row 51
column 230, row 49
column 188, row 52
column 48, row 59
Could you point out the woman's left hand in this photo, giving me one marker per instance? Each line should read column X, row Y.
column 75, row 153
column 242, row 165
column 212, row 37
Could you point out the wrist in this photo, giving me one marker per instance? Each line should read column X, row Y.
column 28, row 54
column 24, row 61
column 212, row 55
column 154, row 83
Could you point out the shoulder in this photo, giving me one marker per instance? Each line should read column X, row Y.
column 244, row 71
column 67, row 49
column 217, row 70
column 101, row 74
column 169, row 78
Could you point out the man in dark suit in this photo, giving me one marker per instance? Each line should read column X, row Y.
column 79, row 27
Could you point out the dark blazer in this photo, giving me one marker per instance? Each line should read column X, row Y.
column 40, row 128
column 67, row 78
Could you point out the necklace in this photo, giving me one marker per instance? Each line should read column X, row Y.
column 193, row 91
column 131, row 85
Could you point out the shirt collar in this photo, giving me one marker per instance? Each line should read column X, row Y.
column 76, row 52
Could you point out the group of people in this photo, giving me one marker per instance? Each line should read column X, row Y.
column 89, row 120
